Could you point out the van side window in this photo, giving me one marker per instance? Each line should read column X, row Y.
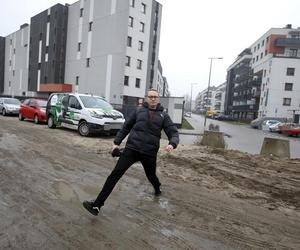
column 54, row 100
column 74, row 103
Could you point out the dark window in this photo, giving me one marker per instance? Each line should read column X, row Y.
column 130, row 21
column 137, row 82
column 41, row 36
column 10, row 41
column 290, row 71
column 263, row 43
column 127, row 61
column 126, row 80
column 39, row 66
column 74, row 103
column 288, row 86
column 79, row 47
column 141, row 46
column 13, row 73
column 142, row 27
column 129, row 41
column 88, row 62
column 132, row 2
column 139, row 64
column 9, row 84
column 287, row 101
column 9, row 62
column 81, row 12
column 77, row 80
column 47, row 49
column 14, row 51
column 90, row 26
column 48, row 18
column 143, row 8
column 54, row 47
column 45, row 79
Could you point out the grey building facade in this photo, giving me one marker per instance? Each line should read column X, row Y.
column 2, row 62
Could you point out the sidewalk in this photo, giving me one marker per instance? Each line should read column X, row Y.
column 198, row 128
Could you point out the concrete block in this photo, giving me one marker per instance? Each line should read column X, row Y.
column 213, row 139
column 276, row 147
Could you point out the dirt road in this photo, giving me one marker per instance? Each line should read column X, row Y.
column 212, row 199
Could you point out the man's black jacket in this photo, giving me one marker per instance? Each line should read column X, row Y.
column 145, row 133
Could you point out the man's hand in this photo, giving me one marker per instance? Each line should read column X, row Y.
column 169, row 148
column 114, row 146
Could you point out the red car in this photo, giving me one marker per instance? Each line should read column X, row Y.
column 33, row 109
column 294, row 131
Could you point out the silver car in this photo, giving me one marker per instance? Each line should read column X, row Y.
column 9, row 106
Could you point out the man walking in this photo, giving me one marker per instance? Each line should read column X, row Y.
column 144, row 128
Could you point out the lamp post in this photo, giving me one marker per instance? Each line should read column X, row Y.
column 192, row 95
column 206, row 102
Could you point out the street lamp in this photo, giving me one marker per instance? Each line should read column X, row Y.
column 192, row 95
column 211, row 60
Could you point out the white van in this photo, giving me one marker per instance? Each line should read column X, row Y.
column 85, row 113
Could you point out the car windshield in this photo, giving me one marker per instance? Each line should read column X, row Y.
column 41, row 103
column 12, row 101
column 95, row 102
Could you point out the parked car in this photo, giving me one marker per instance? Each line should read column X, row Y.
column 85, row 113
column 293, row 131
column 224, row 118
column 9, row 106
column 258, row 122
column 33, row 109
column 275, row 127
column 283, row 128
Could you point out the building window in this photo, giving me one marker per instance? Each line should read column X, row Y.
column 143, row 8
column 9, row 62
column 79, row 47
column 129, row 41
column 130, row 21
column 141, row 46
column 90, row 26
column 81, row 12
column 48, row 19
column 132, row 2
column 41, row 36
column 261, row 55
column 258, row 46
column 254, row 49
column 139, row 64
column 39, row 66
column 266, row 52
column 256, row 58
column 137, row 82
column 290, row 71
column 288, row 86
column 293, row 52
column 10, row 41
column 142, row 27
column 13, row 73
column 88, row 62
column 287, row 101
column 267, row 40
column 9, row 84
column 47, row 49
column 127, row 61
column 14, row 51
column 126, row 80
column 45, row 79
column 253, row 60
column 262, row 43
column 77, row 81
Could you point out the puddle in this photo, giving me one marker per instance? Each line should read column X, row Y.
column 65, row 191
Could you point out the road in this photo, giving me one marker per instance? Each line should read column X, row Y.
column 212, row 198
column 240, row 137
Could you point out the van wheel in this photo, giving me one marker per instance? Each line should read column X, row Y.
column 50, row 122
column 83, row 128
column 36, row 119
column 3, row 112
column 21, row 118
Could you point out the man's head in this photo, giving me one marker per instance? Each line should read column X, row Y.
column 152, row 98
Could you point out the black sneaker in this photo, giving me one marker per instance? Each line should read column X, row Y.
column 89, row 206
column 157, row 192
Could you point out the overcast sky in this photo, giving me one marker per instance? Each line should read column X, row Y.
column 192, row 31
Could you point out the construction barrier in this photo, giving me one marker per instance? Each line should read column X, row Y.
column 213, row 139
column 276, row 147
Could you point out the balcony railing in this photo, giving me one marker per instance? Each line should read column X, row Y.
column 288, row 42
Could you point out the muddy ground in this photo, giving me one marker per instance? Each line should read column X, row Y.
column 212, row 199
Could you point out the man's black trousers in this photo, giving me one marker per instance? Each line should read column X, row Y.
column 127, row 159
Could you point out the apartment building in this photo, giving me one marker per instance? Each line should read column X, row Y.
column 162, row 83
column 108, row 48
column 112, row 48
column 275, row 75
column 205, row 100
column 16, row 62
column 219, row 97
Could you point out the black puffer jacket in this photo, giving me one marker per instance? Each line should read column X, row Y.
column 145, row 133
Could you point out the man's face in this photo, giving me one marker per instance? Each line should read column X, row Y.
column 152, row 98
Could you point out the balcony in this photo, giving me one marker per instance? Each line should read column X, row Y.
column 288, row 42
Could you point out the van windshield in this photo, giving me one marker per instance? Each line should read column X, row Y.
column 95, row 102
